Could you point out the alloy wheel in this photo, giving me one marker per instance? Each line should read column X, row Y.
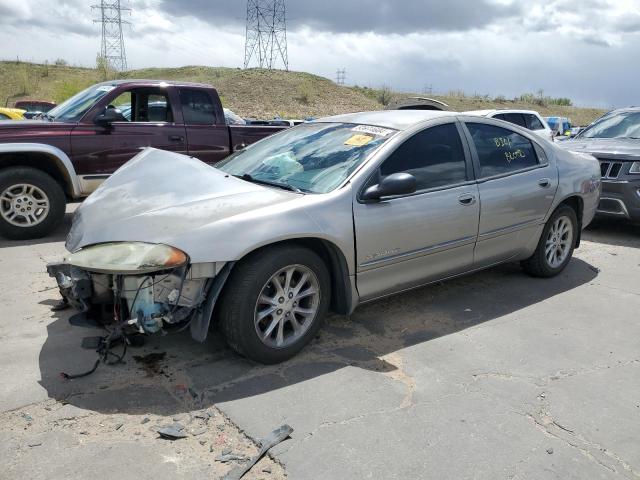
column 559, row 241
column 24, row 205
column 287, row 306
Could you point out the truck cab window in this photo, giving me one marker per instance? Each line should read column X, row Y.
column 144, row 105
column 197, row 107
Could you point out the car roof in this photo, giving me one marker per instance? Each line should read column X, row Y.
column 396, row 119
column 486, row 113
column 152, row 82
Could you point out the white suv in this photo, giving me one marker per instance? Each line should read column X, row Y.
column 529, row 119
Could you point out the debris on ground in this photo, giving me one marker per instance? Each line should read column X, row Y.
column 173, row 432
column 271, row 440
column 231, row 457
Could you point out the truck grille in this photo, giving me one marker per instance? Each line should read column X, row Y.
column 610, row 169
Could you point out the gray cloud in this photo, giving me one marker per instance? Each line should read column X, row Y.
column 381, row 16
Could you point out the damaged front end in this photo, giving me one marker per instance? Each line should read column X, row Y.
column 141, row 287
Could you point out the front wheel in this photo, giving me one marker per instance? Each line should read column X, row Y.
column 32, row 203
column 274, row 303
column 556, row 244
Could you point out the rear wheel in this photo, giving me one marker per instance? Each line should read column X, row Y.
column 32, row 203
column 274, row 303
column 556, row 244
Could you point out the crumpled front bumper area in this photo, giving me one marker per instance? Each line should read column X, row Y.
column 162, row 301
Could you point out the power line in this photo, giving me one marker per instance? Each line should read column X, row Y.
column 266, row 34
column 341, row 76
column 112, row 49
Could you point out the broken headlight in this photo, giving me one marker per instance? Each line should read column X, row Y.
column 127, row 258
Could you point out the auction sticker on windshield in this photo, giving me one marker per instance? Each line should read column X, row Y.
column 358, row 140
column 379, row 131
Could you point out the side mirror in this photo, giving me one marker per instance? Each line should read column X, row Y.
column 394, row 184
column 109, row 116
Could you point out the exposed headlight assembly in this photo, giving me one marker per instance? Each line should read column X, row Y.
column 127, row 258
column 635, row 167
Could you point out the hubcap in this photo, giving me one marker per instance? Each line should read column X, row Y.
column 24, row 205
column 559, row 241
column 287, row 306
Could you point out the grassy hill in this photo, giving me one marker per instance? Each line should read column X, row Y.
column 250, row 93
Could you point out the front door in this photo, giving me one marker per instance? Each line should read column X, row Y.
column 405, row 241
column 517, row 185
column 148, row 121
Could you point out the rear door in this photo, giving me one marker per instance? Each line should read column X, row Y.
column 517, row 185
column 408, row 240
column 537, row 126
column 149, row 120
column 207, row 131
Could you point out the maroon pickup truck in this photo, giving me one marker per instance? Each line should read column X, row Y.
column 65, row 156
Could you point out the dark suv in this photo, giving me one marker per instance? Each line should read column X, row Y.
column 614, row 139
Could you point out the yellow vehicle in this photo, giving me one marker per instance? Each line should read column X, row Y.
column 11, row 113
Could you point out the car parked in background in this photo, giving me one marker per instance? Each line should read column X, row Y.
column 614, row 139
column 81, row 142
column 561, row 126
column 323, row 216
column 529, row 119
column 11, row 113
column 34, row 108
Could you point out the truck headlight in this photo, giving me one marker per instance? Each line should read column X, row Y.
column 635, row 167
column 127, row 258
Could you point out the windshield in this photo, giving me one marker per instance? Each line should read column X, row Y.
column 615, row 125
column 73, row 109
column 313, row 157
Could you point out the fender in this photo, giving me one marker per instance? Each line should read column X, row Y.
column 62, row 161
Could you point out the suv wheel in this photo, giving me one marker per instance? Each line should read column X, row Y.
column 556, row 244
column 32, row 203
column 274, row 303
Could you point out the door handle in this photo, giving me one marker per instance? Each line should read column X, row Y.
column 176, row 138
column 544, row 182
column 467, row 199
column 241, row 146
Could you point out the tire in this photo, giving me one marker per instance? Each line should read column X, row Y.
column 539, row 264
column 32, row 187
column 252, row 280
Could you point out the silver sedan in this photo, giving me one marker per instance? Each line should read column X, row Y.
column 323, row 216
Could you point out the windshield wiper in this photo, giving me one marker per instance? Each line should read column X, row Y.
column 284, row 186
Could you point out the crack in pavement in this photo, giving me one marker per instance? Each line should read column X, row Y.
column 592, row 450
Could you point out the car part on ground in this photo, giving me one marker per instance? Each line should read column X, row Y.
column 323, row 216
column 614, row 139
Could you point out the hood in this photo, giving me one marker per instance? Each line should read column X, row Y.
column 607, row 147
column 12, row 129
column 165, row 197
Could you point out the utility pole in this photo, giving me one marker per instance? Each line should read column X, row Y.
column 112, row 49
column 266, row 34
column 341, row 76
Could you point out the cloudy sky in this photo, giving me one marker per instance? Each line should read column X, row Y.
column 588, row 50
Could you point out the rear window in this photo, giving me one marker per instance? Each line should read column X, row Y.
column 534, row 122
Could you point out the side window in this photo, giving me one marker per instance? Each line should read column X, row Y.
column 500, row 150
column 534, row 122
column 515, row 118
column 434, row 156
column 144, row 105
column 197, row 107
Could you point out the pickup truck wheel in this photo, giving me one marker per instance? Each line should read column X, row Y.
column 274, row 303
column 556, row 244
column 32, row 203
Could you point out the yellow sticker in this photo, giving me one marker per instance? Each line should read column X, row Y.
column 358, row 140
